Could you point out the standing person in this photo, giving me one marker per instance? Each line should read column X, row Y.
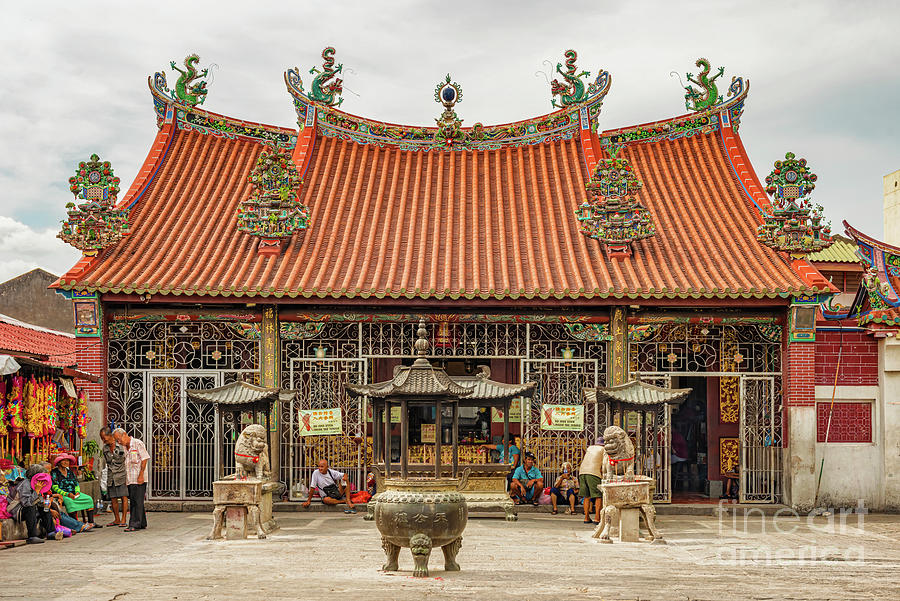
column 135, row 475
column 333, row 487
column 527, row 482
column 65, row 484
column 565, row 489
column 590, row 475
column 116, row 477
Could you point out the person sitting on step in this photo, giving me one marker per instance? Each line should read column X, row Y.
column 333, row 487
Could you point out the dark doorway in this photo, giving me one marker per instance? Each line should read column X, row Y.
column 690, row 453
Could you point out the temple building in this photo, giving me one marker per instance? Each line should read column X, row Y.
column 552, row 250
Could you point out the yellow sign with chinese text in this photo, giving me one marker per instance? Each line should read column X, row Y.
column 562, row 417
column 428, row 431
column 320, row 422
column 395, row 414
column 515, row 412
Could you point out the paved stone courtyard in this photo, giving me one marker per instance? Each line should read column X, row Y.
column 332, row 556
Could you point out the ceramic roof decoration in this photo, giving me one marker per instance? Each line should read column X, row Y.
column 94, row 222
column 273, row 210
column 190, row 88
column 612, row 214
column 397, row 212
column 793, row 225
column 706, row 95
column 571, row 90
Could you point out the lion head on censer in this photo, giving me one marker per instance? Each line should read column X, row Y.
column 619, row 449
column 251, row 454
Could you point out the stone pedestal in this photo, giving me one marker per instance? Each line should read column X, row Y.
column 629, row 525
column 624, row 503
column 243, row 507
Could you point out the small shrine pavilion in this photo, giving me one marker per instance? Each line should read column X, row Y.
column 551, row 250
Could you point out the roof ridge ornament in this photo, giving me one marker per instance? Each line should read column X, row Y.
column 94, row 223
column 794, row 225
column 448, row 93
column 572, row 89
column 707, row 95
column 611, row 213
column 322, row 89
column 190, row 89
column 274, row 210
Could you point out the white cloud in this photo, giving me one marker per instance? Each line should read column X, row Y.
column 23, row 248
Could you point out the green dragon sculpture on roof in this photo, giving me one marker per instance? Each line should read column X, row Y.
column 322, row 89
column 708, row 95
column 186, row 91
column 573, row 90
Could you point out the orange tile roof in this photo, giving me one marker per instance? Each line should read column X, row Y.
column 387, row 222
column 19, row 336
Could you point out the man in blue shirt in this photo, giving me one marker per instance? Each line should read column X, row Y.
column 527, row 482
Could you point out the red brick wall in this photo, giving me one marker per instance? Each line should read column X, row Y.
column 859, row 359
column 801, row 381
column 92, row 359
column 850, row 422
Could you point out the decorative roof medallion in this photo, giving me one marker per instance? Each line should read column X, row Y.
column 698, row 100
column 572, row 90
column 449, row 93
column 326, row 88
column 274, row 210
column 611, row 214
column 95, row 222
column 795, row 224
column 190, row 89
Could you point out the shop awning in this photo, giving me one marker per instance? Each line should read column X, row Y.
column 8, row 365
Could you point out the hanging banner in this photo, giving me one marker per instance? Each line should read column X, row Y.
column 515, row 412
column 562, row 417
column 395, row 414
column 428, row 431
column 320, row 422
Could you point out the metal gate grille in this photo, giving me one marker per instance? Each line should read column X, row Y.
column 321, row 384
column 560, row 382
column 760, row 467
column 653, row 448
column 182, row 437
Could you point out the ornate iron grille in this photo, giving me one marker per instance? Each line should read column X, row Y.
column 164, row 442
column 560, row 382
column 448, row 339
column 321, row 384
column 651, row 432
column 761, row 439
column 125, row 401
column 170, row 345
column 703, row 348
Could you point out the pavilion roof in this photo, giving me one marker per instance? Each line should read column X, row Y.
column 491, row 222
column 636, row 392
column 239, row 394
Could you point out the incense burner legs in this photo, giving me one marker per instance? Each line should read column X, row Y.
column 421, row 515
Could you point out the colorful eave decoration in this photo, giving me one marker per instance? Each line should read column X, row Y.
column 190, row 89
column 273, row 211
column 94, row 222
column 611, row 213
column 794, row 225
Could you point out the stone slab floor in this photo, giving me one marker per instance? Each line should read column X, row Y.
column 332, row 556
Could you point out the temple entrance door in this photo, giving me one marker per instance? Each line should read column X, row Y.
column 560, row 382
column 320, row 384
column 760, row 463
column 181, row 437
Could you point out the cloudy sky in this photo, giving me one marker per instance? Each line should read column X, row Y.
column 825, row 81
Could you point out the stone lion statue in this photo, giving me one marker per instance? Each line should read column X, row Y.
column 251, row 454
column 619, row 464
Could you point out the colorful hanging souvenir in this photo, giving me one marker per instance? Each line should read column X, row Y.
column 795, row 225
column 16, row 404
column 34, row 410
column 81, row 419
column 51, row 414
column 66, row 405
column 4, row 427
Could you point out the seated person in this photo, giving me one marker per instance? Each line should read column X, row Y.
column 42, row 484
column 527, row 482
column 501, row 452
column 33, row 510
column 65, row 484
column 333, row 487
column 565, row 489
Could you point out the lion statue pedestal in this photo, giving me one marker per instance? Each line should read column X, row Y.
column 243, row 501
